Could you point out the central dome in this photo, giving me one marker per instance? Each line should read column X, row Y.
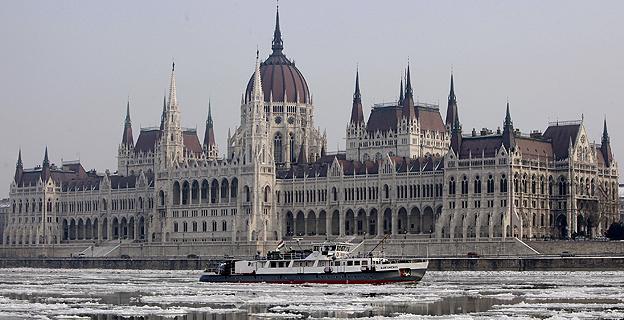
column 280, row 77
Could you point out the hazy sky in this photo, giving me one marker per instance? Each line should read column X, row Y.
column 69, row 66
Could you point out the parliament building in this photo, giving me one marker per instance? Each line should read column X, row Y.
column 406, row 171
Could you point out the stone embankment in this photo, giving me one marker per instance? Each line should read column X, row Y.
column 447, row 254
column 435, row 264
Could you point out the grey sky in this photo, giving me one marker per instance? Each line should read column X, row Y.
column 69, row 66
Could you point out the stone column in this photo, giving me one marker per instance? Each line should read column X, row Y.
column 395, row 222
column 380, row 222
column 341, row 219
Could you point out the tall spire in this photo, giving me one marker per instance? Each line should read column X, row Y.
column 357, row 114
column 46, row 160
column 19, row 167
column 173, row 100
column 45, row 169
column 127, row 139
column 163, row 115
column 452, row 113
column 509, row 140
column 408, row 101
column 277, row 44
column 257, row 93
column 401, row 93
column 605, row 146
column 605, row 133
column 209, row 137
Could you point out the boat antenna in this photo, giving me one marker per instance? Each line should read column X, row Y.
column 378, row 244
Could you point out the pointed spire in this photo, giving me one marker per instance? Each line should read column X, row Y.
column 163, row 116
column 277, row 44
column 19, row 158
column 302, row 158
column 127, row 138
column 408, row 101
column 257, row 93
column 45, row 170
column 209, row 136
column 605, row 146
column 605, row 133
column 173, row 100
column 509, row 140
column 401, row 93
column 19, row 167
column 452, row 114
column 46, row 160
column 357, row 114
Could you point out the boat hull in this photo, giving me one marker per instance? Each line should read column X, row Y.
column 365, row 277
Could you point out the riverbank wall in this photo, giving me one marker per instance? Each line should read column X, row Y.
column 541, row 263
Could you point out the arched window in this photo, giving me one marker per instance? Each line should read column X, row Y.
column 533, row 185
column 214, row 226
column 267, row 192
column 477, row 185
column 185, row 226
column 452, row 186
column 277, row 148
column 224, row 225
column 194, row 226
column 204, row 226
column 175, row 227
column 490, row 184
column 293, row 151
column 335, row 193
column 386, row 191
column 464, row 185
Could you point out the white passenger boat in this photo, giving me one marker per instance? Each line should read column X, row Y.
column 325, row 263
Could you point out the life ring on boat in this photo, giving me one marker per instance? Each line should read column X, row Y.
column 328, row 270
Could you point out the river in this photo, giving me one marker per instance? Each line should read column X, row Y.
column 153, row 295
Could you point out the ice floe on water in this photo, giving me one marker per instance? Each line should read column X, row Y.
column 89, row 294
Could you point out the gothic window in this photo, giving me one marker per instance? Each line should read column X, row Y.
column 185, row 226
column 194, row 226
column 452, row 186
column 550, row 186
column 204, row 226
column 214, row 226
column 533, row 185
column 224, row 225
column 293, row 151
column 541, row 184
column 503, row 183
column 477, row 185
column 335, row 193
column 562, row 186
column 277, row 148
column 464, row 185
column 386, row 191
column 175, row 227
column 490, row 184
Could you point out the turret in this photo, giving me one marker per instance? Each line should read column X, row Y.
column 451, row 110
column 357, row 114
column 509, row 140
column 605, row 146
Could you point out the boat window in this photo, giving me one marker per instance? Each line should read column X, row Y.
column 349, row 263
column 280, row 264
column 273, row 264
column 357, row 263
column 364, row 263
